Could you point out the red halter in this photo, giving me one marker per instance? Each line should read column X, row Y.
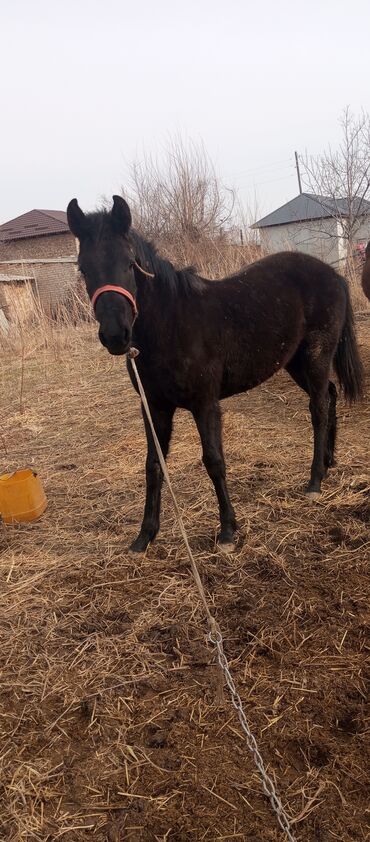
column 120, row 290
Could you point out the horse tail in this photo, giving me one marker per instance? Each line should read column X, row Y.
column 347, row 360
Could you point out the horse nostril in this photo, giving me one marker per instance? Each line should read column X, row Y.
column 116, row 343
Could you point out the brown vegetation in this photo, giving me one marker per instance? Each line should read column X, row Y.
column 111, row 724
column 194, row 219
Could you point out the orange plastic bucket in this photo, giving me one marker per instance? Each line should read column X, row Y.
column 22, row 497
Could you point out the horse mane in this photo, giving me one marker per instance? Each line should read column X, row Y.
column 183, row 281
column 99, row 222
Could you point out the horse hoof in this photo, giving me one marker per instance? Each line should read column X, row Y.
column 138, row 547
column 227, row 548
column 136, row 553
column 313, row 495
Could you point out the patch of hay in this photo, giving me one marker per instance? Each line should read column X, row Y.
column 111, row 725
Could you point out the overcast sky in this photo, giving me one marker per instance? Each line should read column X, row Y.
column 88, row 85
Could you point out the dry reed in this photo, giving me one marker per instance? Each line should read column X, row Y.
column 110, row 725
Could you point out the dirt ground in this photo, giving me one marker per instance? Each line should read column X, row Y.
column 112, row 724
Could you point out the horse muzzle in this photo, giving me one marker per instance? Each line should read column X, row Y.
column 116, row 344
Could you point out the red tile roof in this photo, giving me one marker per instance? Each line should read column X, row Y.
column 35, row 223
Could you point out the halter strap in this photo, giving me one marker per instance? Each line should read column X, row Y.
column 144, row 272
column 112, row 288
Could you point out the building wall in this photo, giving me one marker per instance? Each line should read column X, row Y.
column 362, row 235
column 52, row 280
column 51, row 245
column 319, row 238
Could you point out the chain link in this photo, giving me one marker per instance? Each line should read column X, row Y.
column 215, row 636
column 267, row 782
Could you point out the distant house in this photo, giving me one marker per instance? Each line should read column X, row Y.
column 312, row 224
column 38, row 256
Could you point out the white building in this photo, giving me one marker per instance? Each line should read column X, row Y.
column 314, row 225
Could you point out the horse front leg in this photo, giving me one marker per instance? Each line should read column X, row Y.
column 162, row 420
column 208, row 421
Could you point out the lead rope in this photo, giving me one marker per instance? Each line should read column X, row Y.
column 214, row 635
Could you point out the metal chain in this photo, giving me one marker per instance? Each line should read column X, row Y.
column 267, row 782
column 215, row 636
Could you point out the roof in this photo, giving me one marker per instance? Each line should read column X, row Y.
column 35, row 223
column 308, row 206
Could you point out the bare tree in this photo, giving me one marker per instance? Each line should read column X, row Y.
column 341, row 178
column 181, row 196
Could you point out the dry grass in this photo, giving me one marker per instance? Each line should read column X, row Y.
column 111, row 727
column 359, row 301
column 216, row 257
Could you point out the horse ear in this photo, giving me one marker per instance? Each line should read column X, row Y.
column 76, row 219
column 121, row 215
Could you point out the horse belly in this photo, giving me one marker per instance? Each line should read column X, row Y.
column 234, row 385
column 248, row 370
column 182, row 381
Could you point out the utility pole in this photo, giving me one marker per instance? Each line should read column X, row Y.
column 298, row 173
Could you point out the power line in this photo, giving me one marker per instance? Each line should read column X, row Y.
column 268, row 181
column 265, row 167
column 282, row 178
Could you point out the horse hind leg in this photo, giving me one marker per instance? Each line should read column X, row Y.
column 319, row 416
column 311, row 372
column 332, row 427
